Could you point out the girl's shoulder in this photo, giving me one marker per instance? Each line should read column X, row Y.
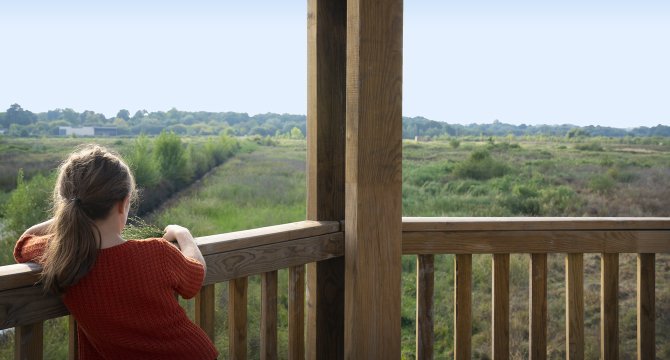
column 152, row 244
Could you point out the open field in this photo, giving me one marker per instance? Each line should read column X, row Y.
column 496, row 177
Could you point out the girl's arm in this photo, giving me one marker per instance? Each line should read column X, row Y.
column 186, row 242
column 39, row 229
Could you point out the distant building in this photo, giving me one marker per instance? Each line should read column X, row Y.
column 86, row 131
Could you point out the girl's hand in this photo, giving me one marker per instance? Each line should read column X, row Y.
column 176, row 232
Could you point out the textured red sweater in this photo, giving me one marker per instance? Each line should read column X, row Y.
column 125, row 306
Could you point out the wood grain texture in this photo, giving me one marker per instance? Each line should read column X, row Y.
column 325, row 304
column 260, row 259
column 204, row 310
column 373, row 174
column 269, row 315
column 296, row 313
column 500, row 307
column 533, row 223
column 28, row 342
column 463, row 307
column 73, row 339
column 537, row 344
column 237, row 318
column 326, row 108
column 535, row 241
column 244, row 239
column 609, row 306
column 19, row 275
column 574, row 306
column 326, row 123
column 646, row 307
column 28, row 305
column 425, row 285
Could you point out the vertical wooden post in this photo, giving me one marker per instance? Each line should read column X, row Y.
column 425, row 281
column 463, row 306
column 326, row 85
column 28, row 342
column 204, row 310
column 73, row 339
column 609, row 306
column 646, row 307
column 574, row 306
column 237, row 318
column 537, row 344
column 500, row 306
column 269, row 315
column 373, row 187
column 296, row 313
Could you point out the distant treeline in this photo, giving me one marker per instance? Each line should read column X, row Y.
column 19, row 122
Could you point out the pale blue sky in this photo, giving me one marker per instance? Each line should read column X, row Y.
column 588, row 62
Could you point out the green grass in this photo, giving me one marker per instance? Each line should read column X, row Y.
column 266, row 185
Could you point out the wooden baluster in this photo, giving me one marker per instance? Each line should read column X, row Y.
column 425, row 280
column 204, row 310
column 269, row 315
column 28, row 342
column 646, row 307
column 296, row 313
column 574, row 306
column 537, row 344
column 463, row 306
column 237, row 318
column 500, row 306
column 73, row 339
column 609, row 306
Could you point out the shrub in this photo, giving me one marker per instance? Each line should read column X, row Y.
column 589, row 147
column 601, row 184
column 143, row 165
column 480, row 166
column 29, row 203
column 171, row 159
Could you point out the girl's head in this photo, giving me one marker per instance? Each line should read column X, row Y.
column 91, row 182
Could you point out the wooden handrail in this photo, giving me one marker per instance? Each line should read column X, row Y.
column 237, row 255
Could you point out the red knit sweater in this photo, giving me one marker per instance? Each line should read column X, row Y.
column 125, row 306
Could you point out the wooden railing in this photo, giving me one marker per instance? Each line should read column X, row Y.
column 235, row 256
column 537, row 237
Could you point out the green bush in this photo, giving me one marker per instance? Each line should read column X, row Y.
column 171, row 158
column 143, row 164
column 601, row 184
column 29, row 203
column 589, row 147
column 480, row 166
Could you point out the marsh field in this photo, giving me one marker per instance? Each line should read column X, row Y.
column 262, row 183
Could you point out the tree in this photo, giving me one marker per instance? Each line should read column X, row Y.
column 16, row 115
column 123, row 114
column 296, row 133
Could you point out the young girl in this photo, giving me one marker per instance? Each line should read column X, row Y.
column 121, row 292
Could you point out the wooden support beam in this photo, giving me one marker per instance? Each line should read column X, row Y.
column 296, row 313
column 237, row 318
column 646, row 307
column 462, row 306
column 73, row 339
column 574, row 306
column 326, row 111
column 28, row 342
column 204, row 310
column 609, row 306
column 500, row 307
column 269, row 315
column 537, row 344
column 425, row 284
column 373, row 174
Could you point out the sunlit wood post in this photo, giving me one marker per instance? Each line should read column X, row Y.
column 326, row 64
column 373, row 187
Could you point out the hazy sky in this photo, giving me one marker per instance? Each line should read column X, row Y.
column 584, row 62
